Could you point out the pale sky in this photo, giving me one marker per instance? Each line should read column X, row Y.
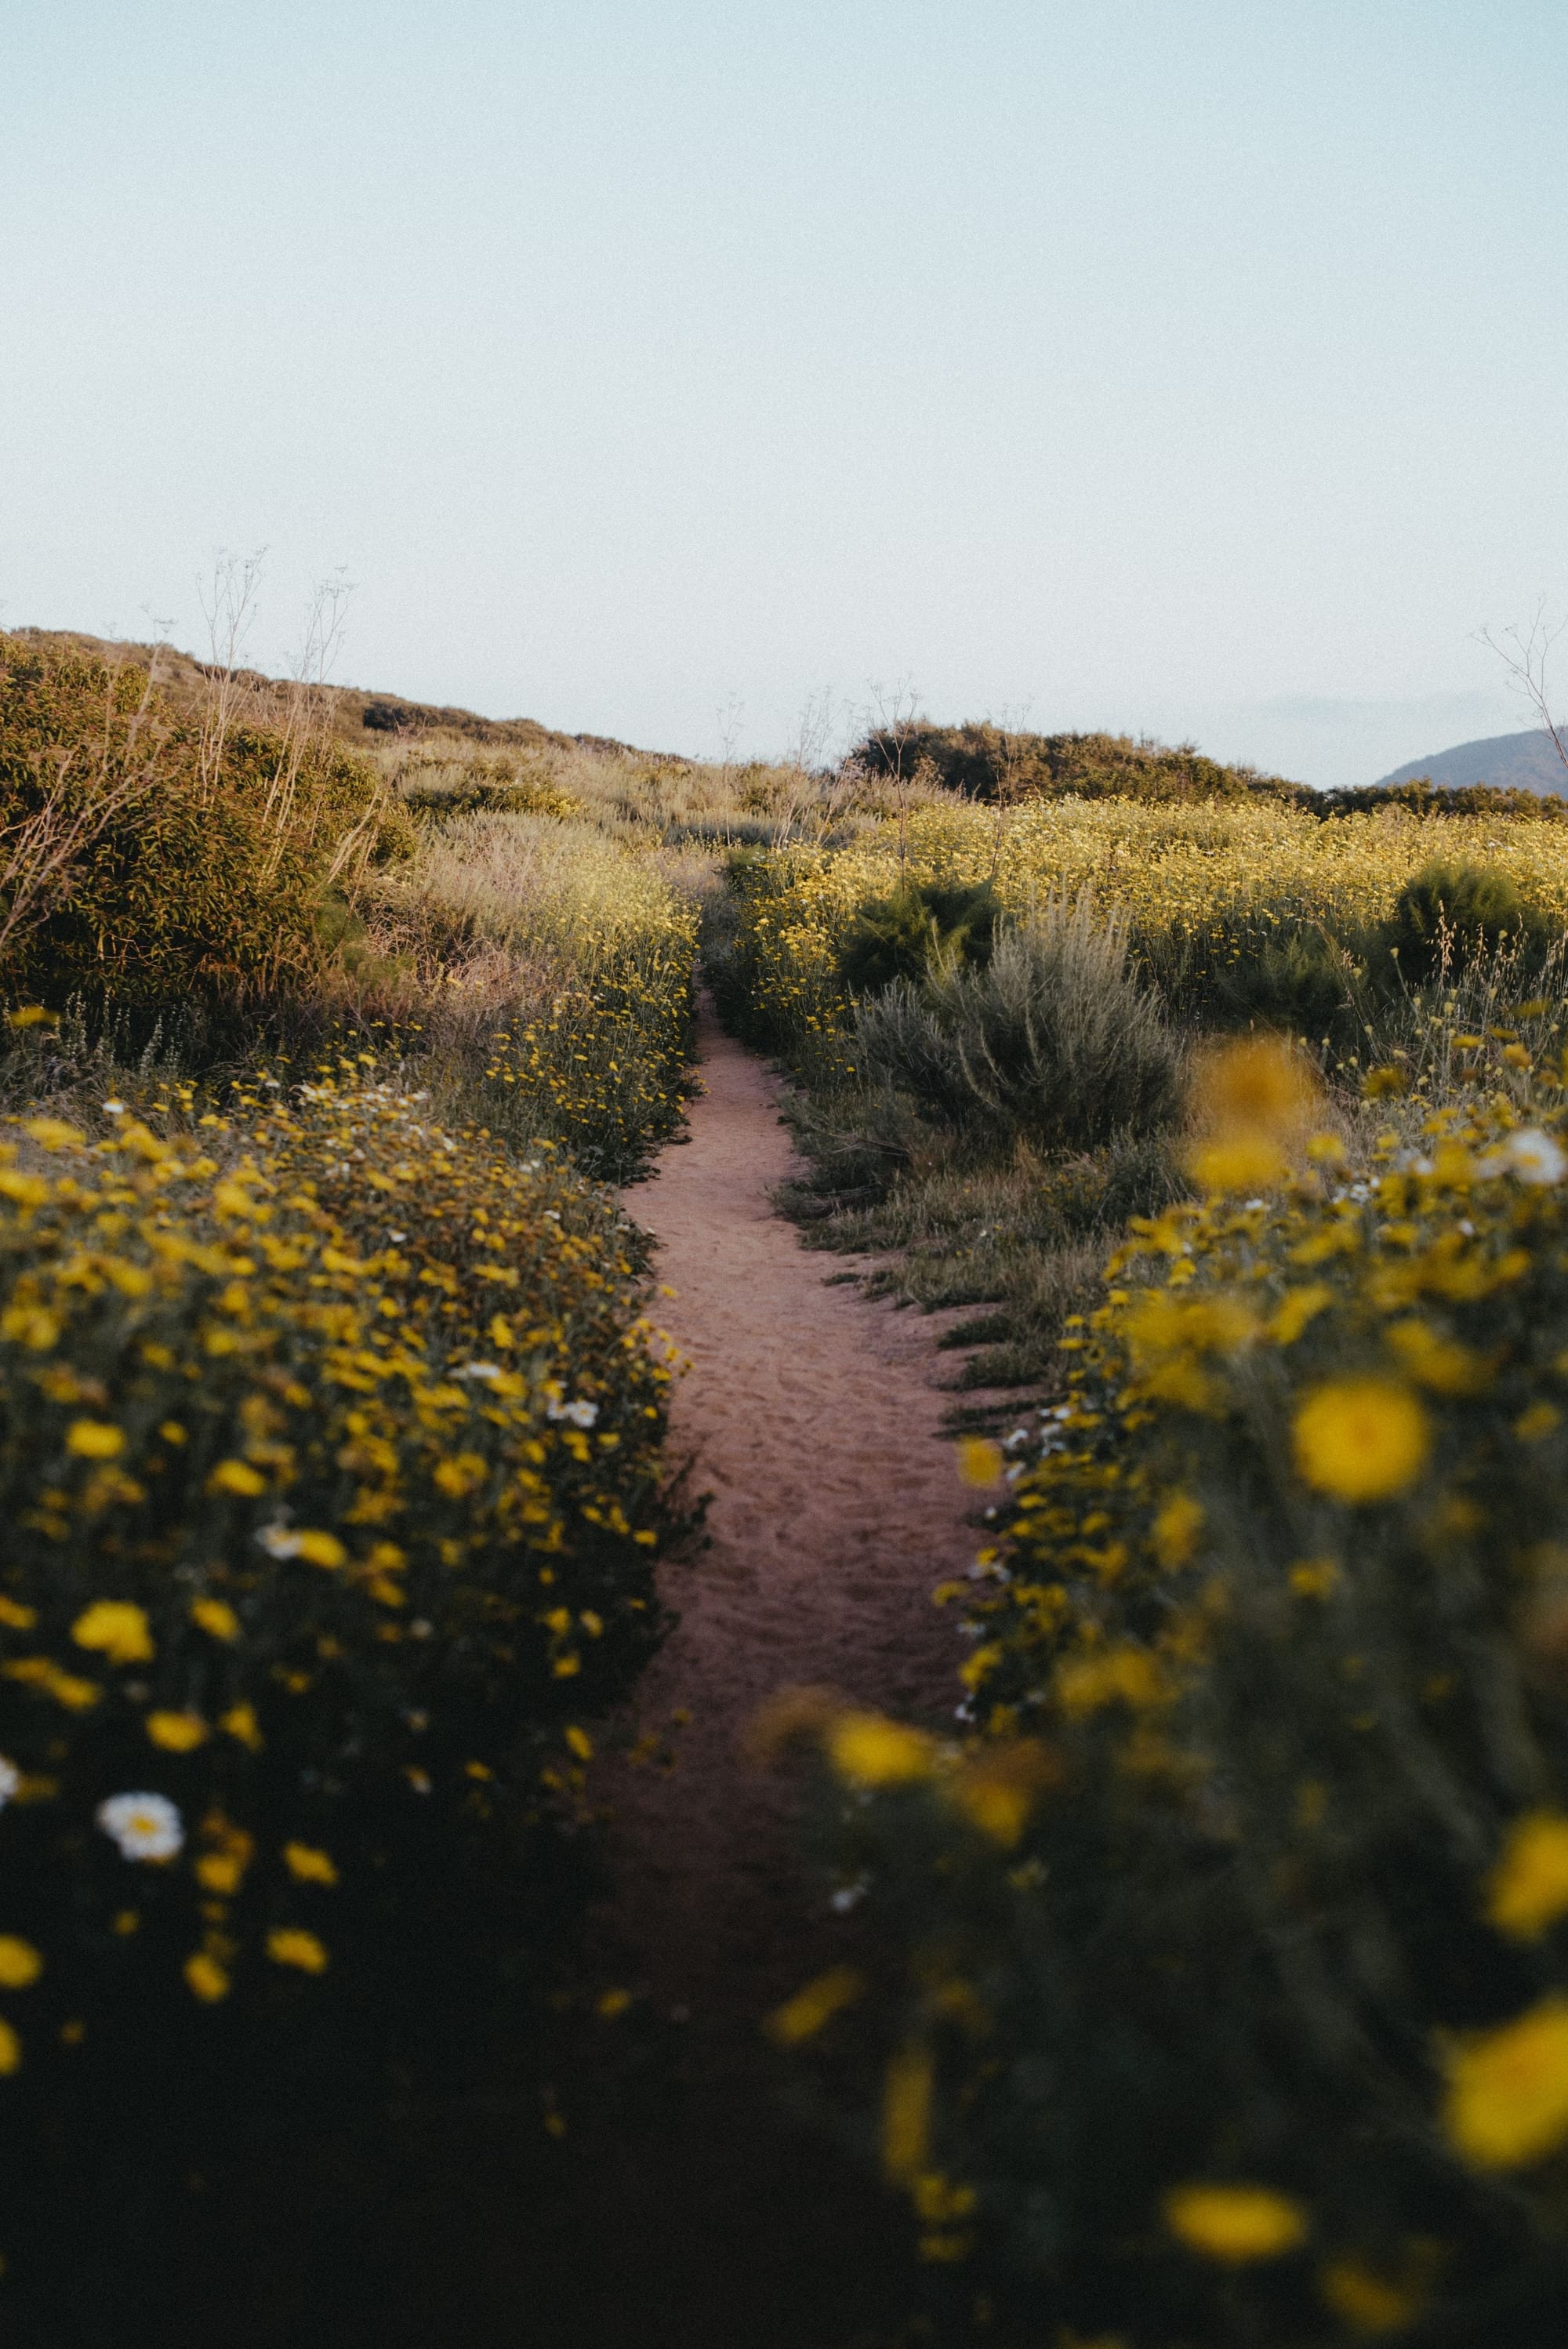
column 1192, row 366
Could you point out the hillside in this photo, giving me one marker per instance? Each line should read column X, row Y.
column 352, row 710
column 1521, row 762
column 989, row 763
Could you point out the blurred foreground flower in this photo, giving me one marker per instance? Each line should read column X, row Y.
column 1236, row 2225
column 1253, row 1105
column 1507, row 2104
column 1361, row 1439
column 868, row 1750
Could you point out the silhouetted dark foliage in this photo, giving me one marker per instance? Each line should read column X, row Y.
column 1422, row 798
column 914, row 930
column 988, row 763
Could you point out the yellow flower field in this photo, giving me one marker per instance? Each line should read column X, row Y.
column 331, row 1472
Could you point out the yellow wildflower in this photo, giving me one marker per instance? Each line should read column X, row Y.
column 20, row 1964
column 216, row 1617
column 33, row 1326
column 1261, row 1084
column 95, row 1439
column 802, row 2016
column 10, row 2049
column 979, row 1461
column 43, row 1672
column 1295, row 1309
column 308, row 1865
column 290, row 1945
column 206, row 1977
column 869, row 1750
column 240, row 1721
column 116, row 1628
column 177, row 1732
column 1361, row 1439
column 237, row 1476
column 1236, row 2225
column 1238, row 1162
column 320, row 1549
column 1528, row 1889
column 1507, row 2102
column 223, row 1872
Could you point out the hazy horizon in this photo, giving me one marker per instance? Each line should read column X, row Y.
column 1180, row 370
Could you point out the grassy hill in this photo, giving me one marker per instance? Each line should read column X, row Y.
column 355, row 712
column 1519, row 762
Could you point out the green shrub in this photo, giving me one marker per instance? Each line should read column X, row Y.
column 1053, row 1039
column 1303, row 980
column 1450, row 916
column 990, row 762
column 150, row 861
column 931, row 928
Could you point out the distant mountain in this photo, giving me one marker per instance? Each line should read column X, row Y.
column 1516, row 762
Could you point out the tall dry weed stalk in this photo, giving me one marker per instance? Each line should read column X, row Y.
column 41, row 850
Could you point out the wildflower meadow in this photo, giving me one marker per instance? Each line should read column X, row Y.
column 1204, row 1981
column 1217, row 1981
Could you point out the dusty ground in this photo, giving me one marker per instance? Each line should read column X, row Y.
column 814, row 1422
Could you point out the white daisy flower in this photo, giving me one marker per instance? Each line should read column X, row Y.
column 114, row 1109
column 10, row 1779
column 581, row 1413
column 478, row 1370
column 278, row 1542
column 1534, row 1157
column 145, row 1826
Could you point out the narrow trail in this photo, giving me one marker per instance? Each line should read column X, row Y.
column 813, row 1418
column 684, row 2207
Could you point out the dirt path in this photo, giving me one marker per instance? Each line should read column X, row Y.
column 814, row 1421
column 684, row 2208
